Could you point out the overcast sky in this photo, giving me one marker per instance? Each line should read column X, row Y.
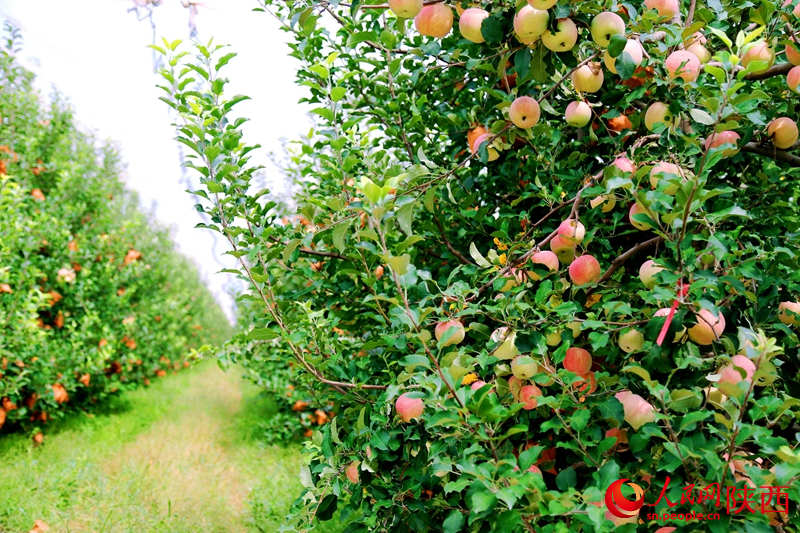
column 95, row 53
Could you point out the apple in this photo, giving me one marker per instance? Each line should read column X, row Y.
column 632, row 48
column 658, row 113
column 575, row 327
column 758, row 51
column 514, row 386
column 434, row 20
column 577, row 361
column 478, row 384
column 783, row 132
column 669, row 171
column 528, row 395
column 535, row 470
column 666, row 8
column 408, row 408
column 584, row 269
column 564, row 249
column 542, row 4
column 683, row 64
column 546, row 258
column 637, row 410
column 647, row 273
column 631, row 341
column 352, row 471
column 506, row 338
column 524, row 112
column 523, row 367
column 563, row 39
column 469, row 23
column 624, row 164
column 696, row 45
column 457, row 334
column 793, row 53
column 588, row 78
column 578, row 114
column 721, row 138
column 490, row 149
column 638, row 209
column 588, row 384
column 789, row 313
column 604, row 26
column 793, row 79
column 529, row 24
column 730, row 374
column 405, row 9
column 572, row 231
column 708, row 327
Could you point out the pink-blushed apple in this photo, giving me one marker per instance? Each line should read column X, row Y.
column 647, row 273
column 721, row 138
column 793, row 79
column 478, row 384
column 658, row 113
column 683, row 64
column 666, row 8
column 624, row 164
column 523, row 366
column 578, row 114
column 528, row 395
column 638, row 411
column 546, row 258
column 588, row 78
column 789, row 313
column 630, row 341
column 604, row 26
column 524, row 112
column 408, row 408
column 533, row 469
column 783, row 132
column 634, row 51
column 457, row 332
column 405, row 9
column 638, row 209
column 529, row 24
column 793, row 52
column 584, row 269
column 564, row 249
column 564, row 38
column 434, row 20
column 670, row 172
column 578, row 361
column 352, row 471
column 469, row 23
column 490, row 149
column 708, row 327
column 506, row 338
column 696, row 45
column 572, row 231
column 730, row 373
column 758, row 51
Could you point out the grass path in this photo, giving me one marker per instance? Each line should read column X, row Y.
column 179, row 456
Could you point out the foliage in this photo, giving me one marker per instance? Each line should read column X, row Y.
column 92, row 298
column 404, row 221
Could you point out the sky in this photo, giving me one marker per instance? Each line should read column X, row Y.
column 95, row 52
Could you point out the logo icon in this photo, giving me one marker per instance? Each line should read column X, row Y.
column 619, row 505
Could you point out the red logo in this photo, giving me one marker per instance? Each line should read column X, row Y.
column 619, row 505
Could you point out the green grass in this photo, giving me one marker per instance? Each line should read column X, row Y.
column 181, row 455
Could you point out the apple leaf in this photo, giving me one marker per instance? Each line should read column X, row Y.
column 493, row 28
column 625, row 66
column 616, row 45
column 701, row 116
column 522, row 63
column 454, row 522
column 404, row 217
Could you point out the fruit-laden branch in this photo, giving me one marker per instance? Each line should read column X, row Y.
column 621, row 259
column 776, row 70
column 774, row 153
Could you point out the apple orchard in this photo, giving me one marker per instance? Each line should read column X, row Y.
column 538, row 247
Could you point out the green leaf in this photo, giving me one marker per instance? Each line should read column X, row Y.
column 338, row 235
column 454, row 522
column 399, row 264
column 566, row 479
column 327, row 507
column 478, row 257
column 617, row 45
column 522, row 62
column 481, row 500
column 404, row 217
column 262, row 334
column 493, row 28
column 337, row 93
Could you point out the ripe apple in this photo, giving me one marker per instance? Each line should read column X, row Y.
column 528, row 395
column 604, row 26
column 666, row 8
column 624, row 164
column 434, row 20
column 708, row 327
column 408, row 408
column 647, row 273
column 572, row 231
column 577, row 361
column 588, row 78
column 524, row 112
column 477, row 384
column 470, row 24
column 631, row 341
column 789, row 313
column 668, row 171
column 490, row 149
column 783, row 132
column 721, row 138
column 588, row 384
column 632, row 48
column 620, row 435
column 696, row 45
column 523, row 367
column 658, row 113
column 546, row 258
column 637, row 410
column 683, row 64
column 638, row 209
column 506, row 338
column 564, row 249
column 578, row 114
column 758, row 51
column 529, row 24
column 352, row 471
column 730, row 374
column 457, row 334
column 564, row 38
column 584, row 269
column 793, row 79
column 793, row 53
column 405, row 9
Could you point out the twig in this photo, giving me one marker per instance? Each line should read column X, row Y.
column 774, row 153
column 776, row 70
column 461, row 257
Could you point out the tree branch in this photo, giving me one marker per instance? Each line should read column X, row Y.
column 776, row 70
column 461, row 257
column 774, row 153
column 621, row 259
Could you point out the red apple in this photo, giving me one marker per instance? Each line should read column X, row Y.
column 491, row 150
column 758, row 51
column 683, row 64
column 578, row 114
column 658, row 113
column 634, row 51
column 721, row 138
column 793, row 79
column 638, row 209
column 604, row 26
column 584, row 269
column 434, row 20
column 563, row 39
column 789, row 313
column 666, row 8
column 546, row 258
column 457, row 335
column 529, row 24
column 528, row 395
column 637, row 410
column 730, row 374
column 588, row 78
column 708, row 327
column 524, row 112
column 352, row 471
column 668, row 171
column 696, row 45
column 405, row 9
column 624, row 164
column 578, row 361
column 572, row 231
column 564, row 249
column 793, row 52
column 647, row 273
column 408, row 408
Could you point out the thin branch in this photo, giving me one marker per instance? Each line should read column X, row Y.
column 461, row 257
column 621, row 259
column 565, row 76
column 690, row 13
column 774, row 153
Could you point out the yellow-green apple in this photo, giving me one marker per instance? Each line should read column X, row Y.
column 631, row 340
column 638, row 411
column 758, row 51
column 634, row 51
column 564, row 249
column 405, row 9
column 408, row 408
column 575, row 327
column 588, row 78
column 434, row 20
column 604, row 26
column 730, row 373
column 584, row 269
column 696, row 45
column 793, row 79
column 552, row 337
column 658, row 113
column 456, row 329
column 529, row 24
column 666, row 8
column 708, row 327
column 793, row 52
column 542, row 4
column 469, row 23
column 528, row 395
column 721, row 138
column 546, row 258
column 670, row 172
column 564, row 38
column 578, row 114
column 683, row 64
column 352, row 471
column 577, row 361
column 783, row 132
column 572, row 231
column 789, row 313
column 647, row 273
column 624, row 164
column 638, row 209
column 490, row 149
column 506, row 338
column 524, row 112
column 523, row 366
